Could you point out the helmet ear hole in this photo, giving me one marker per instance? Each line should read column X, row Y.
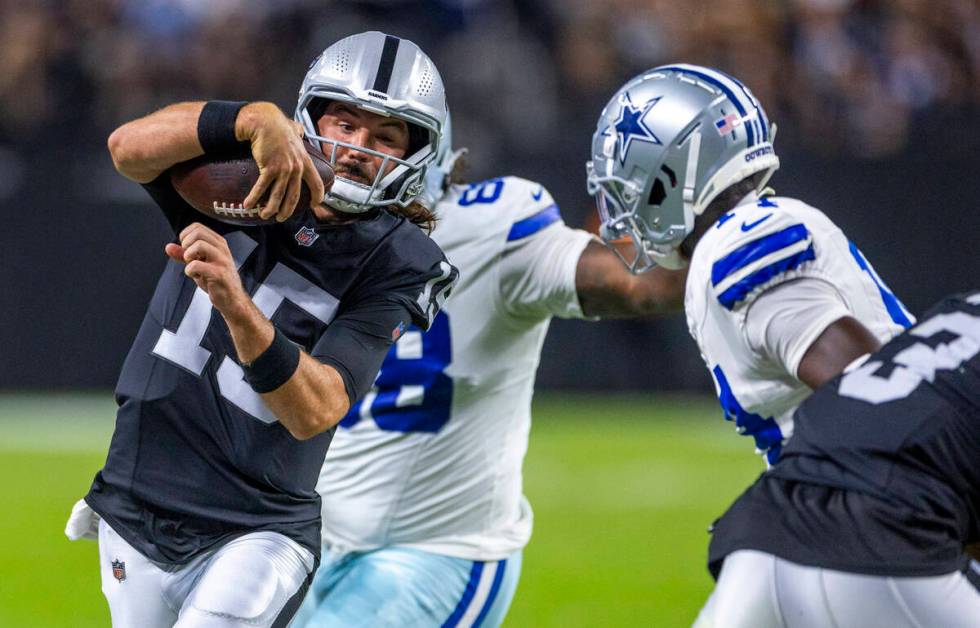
column 657, row 193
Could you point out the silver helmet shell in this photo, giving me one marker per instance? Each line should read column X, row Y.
column 388, row 76
column 667, row 143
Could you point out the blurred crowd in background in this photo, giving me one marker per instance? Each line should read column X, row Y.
column 876, row 103
column 840, row 75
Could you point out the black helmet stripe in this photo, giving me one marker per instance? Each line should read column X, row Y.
column 387, row 64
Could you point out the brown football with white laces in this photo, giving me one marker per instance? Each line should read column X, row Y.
column 218, row 187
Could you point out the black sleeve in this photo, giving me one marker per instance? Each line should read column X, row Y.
column 405, row 285
column 424, row 299
column 356, row 342
column 175, row 209
column 413, row 271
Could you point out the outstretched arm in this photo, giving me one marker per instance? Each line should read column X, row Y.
column 608, row 290
column 144, row 148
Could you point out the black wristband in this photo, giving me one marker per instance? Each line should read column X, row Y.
column 274, row 366
column 216, row 126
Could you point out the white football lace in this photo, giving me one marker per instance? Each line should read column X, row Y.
column 235, row 210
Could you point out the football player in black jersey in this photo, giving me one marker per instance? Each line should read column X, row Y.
column 259, row 339
column 865, row 519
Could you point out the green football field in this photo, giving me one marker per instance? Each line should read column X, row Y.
column 623, row 490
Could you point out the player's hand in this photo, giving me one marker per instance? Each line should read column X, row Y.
column 277, row 147
column 208, row 261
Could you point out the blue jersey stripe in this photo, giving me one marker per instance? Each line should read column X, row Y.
column 895, row 309
column 755, row 250
column 535, row 223
column 766, row 432
column 468, row 594
column 724, row 88
column 492, row 596
column 738, row 291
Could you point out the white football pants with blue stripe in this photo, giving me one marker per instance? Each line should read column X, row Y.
column 405, row 587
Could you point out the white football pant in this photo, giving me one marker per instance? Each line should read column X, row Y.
column 759, row 590
column 245, row 582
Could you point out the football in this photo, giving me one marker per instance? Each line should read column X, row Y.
column 218, row 187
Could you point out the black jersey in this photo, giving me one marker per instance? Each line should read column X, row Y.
column 882, row 475
column 196, row 456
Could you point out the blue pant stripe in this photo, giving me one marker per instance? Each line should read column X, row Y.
column 468, row 594
column 492, row 596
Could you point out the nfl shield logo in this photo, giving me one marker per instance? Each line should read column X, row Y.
column 306, row 236
column 396, row 333
column 119, row 570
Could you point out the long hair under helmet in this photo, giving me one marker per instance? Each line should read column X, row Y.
column 667, row 143
column 387, row 76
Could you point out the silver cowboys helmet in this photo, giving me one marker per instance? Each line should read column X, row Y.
column 666, row 145
column 388, row 76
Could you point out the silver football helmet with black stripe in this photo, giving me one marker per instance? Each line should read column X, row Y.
column 667, row 143
column 388, row 76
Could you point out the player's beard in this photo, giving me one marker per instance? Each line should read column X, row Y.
column 416, row 212
column 353, row 171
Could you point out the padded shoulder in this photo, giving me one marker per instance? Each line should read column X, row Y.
column 410, row 268
column 521, row 206
column 757, row 246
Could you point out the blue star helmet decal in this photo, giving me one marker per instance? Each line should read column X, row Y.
column 630, row 126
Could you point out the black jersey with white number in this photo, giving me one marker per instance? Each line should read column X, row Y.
column 882, row 475
column 196, row 456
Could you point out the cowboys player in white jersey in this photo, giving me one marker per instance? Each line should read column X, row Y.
column 424, row 519
column 777, row 298
column 877, row 495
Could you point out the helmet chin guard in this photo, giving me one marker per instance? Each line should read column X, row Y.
column 386, row 76
column 668, row 143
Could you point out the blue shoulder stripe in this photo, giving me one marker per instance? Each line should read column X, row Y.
column 755, row 250
column 535, row 223
column 738, row 291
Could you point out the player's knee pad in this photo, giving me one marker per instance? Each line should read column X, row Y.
column 246, row 588
column 246, row 583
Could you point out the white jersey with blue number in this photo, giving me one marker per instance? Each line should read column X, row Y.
column 741, row 269
column 431, row 458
